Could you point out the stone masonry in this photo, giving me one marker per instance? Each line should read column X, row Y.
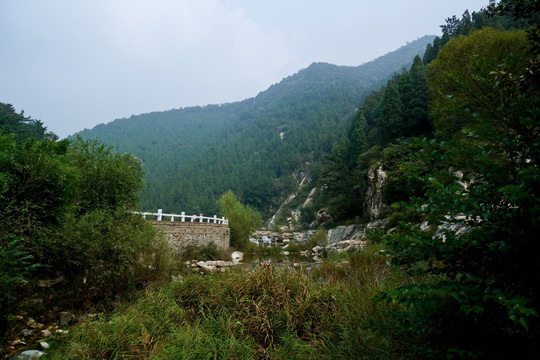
column 182, row 234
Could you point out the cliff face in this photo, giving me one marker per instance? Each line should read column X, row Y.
column 374, row 205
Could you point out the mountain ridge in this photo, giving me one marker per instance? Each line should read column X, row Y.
column 192, row 155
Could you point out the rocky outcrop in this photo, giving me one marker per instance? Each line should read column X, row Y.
column 281, row 239
column 374, row 205
column 354, row 232
column 346, row 246
column 341, row 233
column 352, row 237
column 303, row 179
column 323, row 216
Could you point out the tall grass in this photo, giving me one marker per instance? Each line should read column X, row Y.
column 259, row 313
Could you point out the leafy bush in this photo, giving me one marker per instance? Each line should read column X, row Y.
column 243, row 220
column 102, row 254
column 64, row 205
column 320, row 238
column 206, row 252
column 16, row 266
column 105, row 179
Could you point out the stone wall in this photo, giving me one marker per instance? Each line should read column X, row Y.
column 182, row 234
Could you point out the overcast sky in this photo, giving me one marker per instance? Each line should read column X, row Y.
column 74, row 64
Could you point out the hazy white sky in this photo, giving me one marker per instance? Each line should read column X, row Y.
column 76, row 63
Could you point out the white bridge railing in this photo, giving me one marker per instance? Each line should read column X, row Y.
column 160, row 216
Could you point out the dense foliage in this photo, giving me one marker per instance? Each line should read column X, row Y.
column 466, row 196
column 194, row 155
column 482, row 86
column 23, row 127
column 243, row 220
column 64, row 211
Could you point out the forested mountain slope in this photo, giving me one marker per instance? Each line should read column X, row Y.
column 193, row 155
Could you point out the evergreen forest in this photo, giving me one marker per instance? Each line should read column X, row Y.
column 193, row 155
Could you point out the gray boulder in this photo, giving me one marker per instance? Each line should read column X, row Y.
column 29, row 355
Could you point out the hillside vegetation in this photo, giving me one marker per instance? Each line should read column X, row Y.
column 193, row 155
column 464, row 191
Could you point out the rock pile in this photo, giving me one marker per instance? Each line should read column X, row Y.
column 212, row 266
column 36, row 333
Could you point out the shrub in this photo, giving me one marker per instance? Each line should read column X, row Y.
column 206, row 252
column 15, row 267
column 101, row 254
column 243, row 220
column 320, row 238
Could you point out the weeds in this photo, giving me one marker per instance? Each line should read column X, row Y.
column 258, row 313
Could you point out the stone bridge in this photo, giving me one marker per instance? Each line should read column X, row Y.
column 190, row 230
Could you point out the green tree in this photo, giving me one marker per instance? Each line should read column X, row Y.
column 23, row 127
column 485, row 286
column 37, row 185
column 106, row 179
column 416, row 109
column 243, row 219
column 63, row 208
column 390, row 123
column 464, row 72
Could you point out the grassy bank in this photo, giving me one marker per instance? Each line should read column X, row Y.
column 261, row 313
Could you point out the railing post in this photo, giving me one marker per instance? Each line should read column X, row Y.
column 201, row 218
column 172, row 217
column 183, row 216
column 159, row 214
column 215, row 219
column 193, row 218
column 223, row 220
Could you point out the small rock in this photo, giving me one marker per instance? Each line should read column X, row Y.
column 29, row 355
column 31, row 323
column 45, row 333
column 17, row 342
column 237, row 256
column 44, row 345
column 297, row 265
column 222, row 264
column 60, row 331
column 176, row 278
column 209, row 268
column 286, row 253
column 26, row 332
column 66, row 318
